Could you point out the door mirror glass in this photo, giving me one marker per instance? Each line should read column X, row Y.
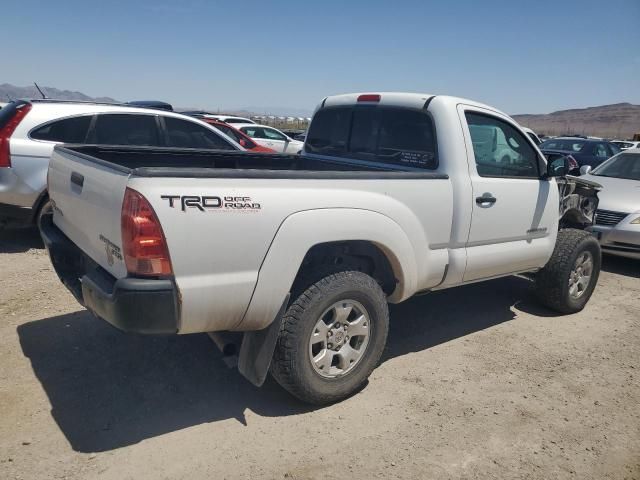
column 585, row 169
column 559, row 167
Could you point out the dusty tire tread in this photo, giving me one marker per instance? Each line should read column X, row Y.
column 550, row 288
column 283, row 366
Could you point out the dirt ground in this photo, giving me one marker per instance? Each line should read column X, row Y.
column 476, row 382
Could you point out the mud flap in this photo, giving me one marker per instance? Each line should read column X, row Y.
column 257, row 349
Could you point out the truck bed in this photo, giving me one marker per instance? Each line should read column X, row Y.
column 180, row 162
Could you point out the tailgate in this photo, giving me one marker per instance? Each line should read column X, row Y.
column 88, row 198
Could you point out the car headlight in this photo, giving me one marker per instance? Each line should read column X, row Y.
column 636, row 221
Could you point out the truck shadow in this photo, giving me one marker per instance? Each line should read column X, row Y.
column 109, row 389
column 16, row 240
column 621, row 266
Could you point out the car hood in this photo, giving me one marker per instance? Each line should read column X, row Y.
column 617, row 194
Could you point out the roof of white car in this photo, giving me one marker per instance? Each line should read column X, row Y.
column 402, row 99
column 72, row 108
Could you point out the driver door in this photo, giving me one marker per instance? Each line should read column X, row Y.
column 514, row 212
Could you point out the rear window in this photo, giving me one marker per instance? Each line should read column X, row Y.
column 67, row 130
column 397, row 136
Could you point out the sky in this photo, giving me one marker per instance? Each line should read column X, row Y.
column 521, row 57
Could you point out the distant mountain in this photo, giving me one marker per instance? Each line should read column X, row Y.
column 11, row 91
column 620, row 120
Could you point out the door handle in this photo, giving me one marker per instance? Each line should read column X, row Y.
column 77, row 179
column 486, row 199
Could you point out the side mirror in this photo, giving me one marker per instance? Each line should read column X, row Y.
column 585, row 169
column 559, row 167
column 242, row 142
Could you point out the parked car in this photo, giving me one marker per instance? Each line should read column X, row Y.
column 617, row 223
column 241, row 138
column 584, row 150
column 302, row 253
column 29, row 129
column 156, row 104
column 532, row 135
column 625, row 145
column 271, row 138
column 229, row 118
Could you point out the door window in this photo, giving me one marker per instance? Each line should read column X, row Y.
column 273, row 134
column 254, row 132
column 185, row 134
column 600, row 151
column 499, row 149
column 67, row 130
column 126, row 129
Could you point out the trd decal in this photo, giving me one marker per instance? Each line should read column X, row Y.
column 207, row 202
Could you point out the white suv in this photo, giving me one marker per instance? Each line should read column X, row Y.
column 29, row 129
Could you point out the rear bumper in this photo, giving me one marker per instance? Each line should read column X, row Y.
column 130, row 304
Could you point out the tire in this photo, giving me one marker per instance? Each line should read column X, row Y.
column 293, row 364
column 553, row 281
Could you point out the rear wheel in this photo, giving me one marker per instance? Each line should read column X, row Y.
column 567, row 281
column 331, row 338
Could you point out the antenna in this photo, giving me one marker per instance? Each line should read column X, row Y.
column 41, row 92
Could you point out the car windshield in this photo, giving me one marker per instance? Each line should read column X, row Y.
column 564, row 144
column 624, row 165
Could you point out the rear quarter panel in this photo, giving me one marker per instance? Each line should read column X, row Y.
column 217, row 254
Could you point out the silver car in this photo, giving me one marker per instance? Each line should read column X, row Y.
column 617, row 224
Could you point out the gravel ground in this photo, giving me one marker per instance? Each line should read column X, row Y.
column 477, row 382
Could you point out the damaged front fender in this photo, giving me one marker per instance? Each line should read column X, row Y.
column 578, row 201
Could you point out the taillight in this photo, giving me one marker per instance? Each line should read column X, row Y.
column 7, row 130
column 369, row 97
column 145, row 248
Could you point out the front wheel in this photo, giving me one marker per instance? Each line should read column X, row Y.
column 332, row 337
column 567, row 281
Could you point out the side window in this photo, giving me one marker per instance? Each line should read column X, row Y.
column 533, row 138
column 124, row 129
column 614, row 148
column 600, row 151
column 499, row 149
column 67, row 130
column 185, row 134
column 273, row 135
column 254, row 132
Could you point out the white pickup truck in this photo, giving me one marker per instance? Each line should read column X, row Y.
column 394, row 194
